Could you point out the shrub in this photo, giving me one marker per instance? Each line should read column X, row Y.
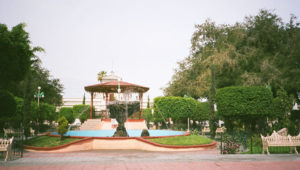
column 48, row 111
column 179, row 108
column 246, row 104
column 82, row 112
column 62, row 126
column 194, row 132
column 230, row 147
column 67, row 113
column 145, row 132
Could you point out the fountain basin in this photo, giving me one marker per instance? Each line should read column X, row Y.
column 110, row 133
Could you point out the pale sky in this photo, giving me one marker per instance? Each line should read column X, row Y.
column 141, row 41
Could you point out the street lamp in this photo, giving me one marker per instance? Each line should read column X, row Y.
column 39, row 95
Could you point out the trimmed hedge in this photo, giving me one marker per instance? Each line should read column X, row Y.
column 245, row 102
column 82, row 112
column 67, row 113
column 179, row 108
column 246, row 107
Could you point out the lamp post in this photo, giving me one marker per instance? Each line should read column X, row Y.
column 39, row 95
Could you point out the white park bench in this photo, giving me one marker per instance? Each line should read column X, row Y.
column 5, row 146
column 278, row 140
column 218, row 130
column 8, row 132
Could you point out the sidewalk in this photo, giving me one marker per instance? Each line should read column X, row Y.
column 133, row 159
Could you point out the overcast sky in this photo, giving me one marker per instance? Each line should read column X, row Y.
column 141, row 41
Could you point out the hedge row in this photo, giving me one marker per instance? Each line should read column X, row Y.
column 244, row 101
column 179, row 108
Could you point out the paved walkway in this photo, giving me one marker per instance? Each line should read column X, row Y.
column 133, row 159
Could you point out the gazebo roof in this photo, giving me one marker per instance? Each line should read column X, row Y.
column 112, row 87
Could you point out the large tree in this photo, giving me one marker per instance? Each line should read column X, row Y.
column 15, row 54
column 262, row 50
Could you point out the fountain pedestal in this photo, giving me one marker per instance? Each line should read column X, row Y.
column 121, row 111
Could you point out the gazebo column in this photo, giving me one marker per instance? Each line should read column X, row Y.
column 92, row 99
column 141, row 105
column 106, row 110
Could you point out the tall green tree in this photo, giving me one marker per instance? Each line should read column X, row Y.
column 262, row 50
column 15, row 54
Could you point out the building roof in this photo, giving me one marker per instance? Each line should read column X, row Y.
column 112, row 87
column 110, row 77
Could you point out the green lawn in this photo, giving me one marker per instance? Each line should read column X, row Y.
column 182, row 140
column 48, row 141
column 272, row 150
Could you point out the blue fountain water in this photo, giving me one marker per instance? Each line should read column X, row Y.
column 110, row 133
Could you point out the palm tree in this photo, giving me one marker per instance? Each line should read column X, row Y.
column 101, row 74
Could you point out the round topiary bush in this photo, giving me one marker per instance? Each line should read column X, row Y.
column 62, row 126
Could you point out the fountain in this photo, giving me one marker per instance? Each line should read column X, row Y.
column 121, row 110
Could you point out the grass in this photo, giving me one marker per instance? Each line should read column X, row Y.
column 183, row 140
column 48, row 141
column 272, row 150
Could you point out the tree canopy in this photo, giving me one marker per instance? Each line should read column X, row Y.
column 15, row 54
column 260, row 51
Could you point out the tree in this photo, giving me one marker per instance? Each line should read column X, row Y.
column 179, row 109
column 101, row 74
column 62, row 126
column 8, row 108
column 67, row 113
column 15, row 55
column 282, row 107
column 15, row 59
column 245, row 104
column 83, row 101
column 40, row 76
column 148, row 102
column 211, row 101
column 260, row 51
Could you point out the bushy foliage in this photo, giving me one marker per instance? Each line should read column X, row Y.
column 82, row 112
column 230, row 147
column 67, row 113
column 294, row 123
column 49, row 111
column 7, row 104
column 246, row 104
column 179, row 108
column 244, row 101
column 194, row 132
column 8, row 107
column 258, row 51
column 62, row 126
column 15, row 52
column 147, row 115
